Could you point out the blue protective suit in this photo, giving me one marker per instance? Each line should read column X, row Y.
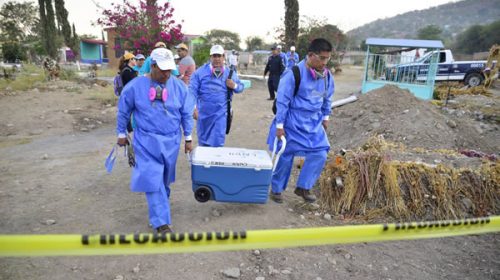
column 157, row 137
column 284, row 58
column 292, row 60
column 211, row 101
column 302, row 116
column 139, row 70
column 146, row 67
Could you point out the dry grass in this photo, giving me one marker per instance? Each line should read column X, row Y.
column 350, row 73
column 106, row 72
column 27, row 79
column 105, row 95
column 442, row 91
column 375, row 186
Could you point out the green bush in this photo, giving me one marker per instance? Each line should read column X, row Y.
column 201, row 54
column 68, row 75
column 13, row 51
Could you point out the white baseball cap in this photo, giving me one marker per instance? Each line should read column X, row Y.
column 278, row 46
column 292, row 48
column 216, row 49
column 163, row 58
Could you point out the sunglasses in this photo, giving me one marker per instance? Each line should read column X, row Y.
column 216, row 55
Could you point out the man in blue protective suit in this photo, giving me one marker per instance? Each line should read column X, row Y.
column 275, row 67
column 302, row 118
column 161, row 105
column 292, row 58
column 282, row 55
column 210, row 84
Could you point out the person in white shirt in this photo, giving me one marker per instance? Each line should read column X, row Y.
column 233, row 60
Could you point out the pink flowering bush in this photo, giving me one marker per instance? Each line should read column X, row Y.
column 141, row 27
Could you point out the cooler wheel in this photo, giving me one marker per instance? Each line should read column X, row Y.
column 202, row 194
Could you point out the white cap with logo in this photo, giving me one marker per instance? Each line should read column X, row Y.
column 216, row 49
column 163, row 58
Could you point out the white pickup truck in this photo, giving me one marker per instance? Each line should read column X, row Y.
column 469, row 72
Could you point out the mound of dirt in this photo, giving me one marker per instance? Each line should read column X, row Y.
column 376, row 186
column 399, row 116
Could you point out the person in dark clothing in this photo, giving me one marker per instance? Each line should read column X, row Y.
column 126, row 67
column 275, row 67
column 127, row 73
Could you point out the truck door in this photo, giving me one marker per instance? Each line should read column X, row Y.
column 443, row 67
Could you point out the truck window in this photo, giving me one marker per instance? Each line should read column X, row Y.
column 442, row 57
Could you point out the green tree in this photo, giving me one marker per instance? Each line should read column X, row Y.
column 291, row 22
column 17, row 21
column 478, row 38
column 254, row 43
column 471, row 40
column 492, row 32
column 201, row 54
column 430, row 32
column 318, row 28
column 12, row 51
column 227, row 39
column 47, row 19
column 62, row 22
column 75, row 42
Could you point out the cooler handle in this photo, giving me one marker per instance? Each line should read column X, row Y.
column 275, row 146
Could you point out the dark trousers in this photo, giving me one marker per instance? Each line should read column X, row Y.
column 272, row 85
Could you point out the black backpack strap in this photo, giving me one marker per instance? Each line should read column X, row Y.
column 126, row 68
column 229, row 91
column 229, row 117
column 296, row 76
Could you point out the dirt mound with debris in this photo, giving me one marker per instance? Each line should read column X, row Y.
column 441, row 162
column 368, row 182
column 399, row 116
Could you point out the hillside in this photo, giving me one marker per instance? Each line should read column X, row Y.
column 452, row 18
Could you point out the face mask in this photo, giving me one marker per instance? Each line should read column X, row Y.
column 317, row 74
column 158, row 94
column 217, row 72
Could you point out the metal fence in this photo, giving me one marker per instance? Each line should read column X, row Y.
column 401, row 69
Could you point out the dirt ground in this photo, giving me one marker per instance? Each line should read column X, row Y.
column 53, row 143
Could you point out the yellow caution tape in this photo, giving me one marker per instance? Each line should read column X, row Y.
column 124, row 244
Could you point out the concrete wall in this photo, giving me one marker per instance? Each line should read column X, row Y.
column 90, row 53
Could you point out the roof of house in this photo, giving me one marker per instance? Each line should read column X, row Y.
column 94, row 41
column 436, row 44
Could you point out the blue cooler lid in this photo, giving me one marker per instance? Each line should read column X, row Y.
column 231, row 157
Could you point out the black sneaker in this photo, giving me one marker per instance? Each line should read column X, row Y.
column 305, row 194
column 163, row 229
column 276, row 197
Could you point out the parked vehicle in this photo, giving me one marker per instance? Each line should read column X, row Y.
column 468, row 72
